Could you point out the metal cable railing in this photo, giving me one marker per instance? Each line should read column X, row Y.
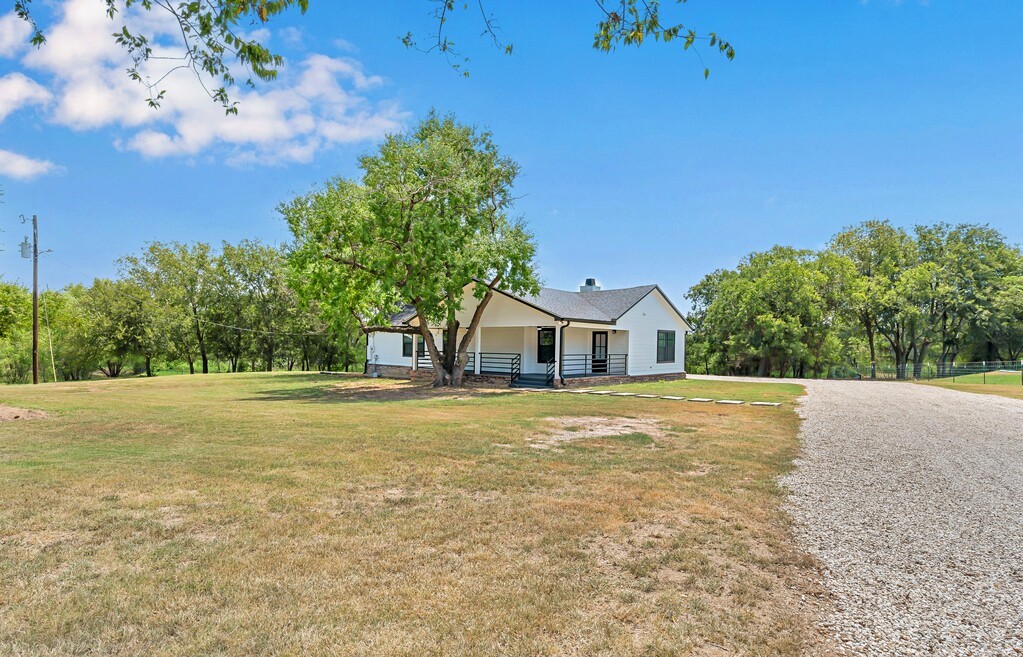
column 573, row 365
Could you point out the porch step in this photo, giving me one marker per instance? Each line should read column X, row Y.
column 531, row 381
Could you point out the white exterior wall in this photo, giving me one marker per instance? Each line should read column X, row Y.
column 580, row 340
column 642, row 322
column 501, row 340
column 577, row 340
column 386, row 349
column 388, row 346
column 503, row 311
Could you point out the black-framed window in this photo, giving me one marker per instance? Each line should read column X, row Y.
column 406, row 346
column 665, row 346
column 421, row 346
column 544, row 345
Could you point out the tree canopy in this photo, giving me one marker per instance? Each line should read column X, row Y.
column 429, row 217
column 877, row 294
column 176, row 304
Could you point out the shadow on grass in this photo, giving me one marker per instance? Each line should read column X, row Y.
column 371, row 391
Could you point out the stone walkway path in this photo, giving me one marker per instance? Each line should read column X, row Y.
column 704, row 400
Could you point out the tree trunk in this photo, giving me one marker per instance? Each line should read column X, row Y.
column 458, row 375
column 873, row 352
column 764, row 367
column 191, row 366
column 202, row 342
column 918, row 362
column 901, row 359
column 149, row 365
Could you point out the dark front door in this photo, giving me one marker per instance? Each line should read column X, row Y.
column 544, row 345
column 599, row 352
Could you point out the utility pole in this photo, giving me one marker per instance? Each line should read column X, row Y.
column 32, row 251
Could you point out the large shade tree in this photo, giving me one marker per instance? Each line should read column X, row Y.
column 429, row 218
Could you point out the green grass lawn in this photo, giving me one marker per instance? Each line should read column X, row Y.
column 287, row 514
column 785, row 393
column 1005, row 384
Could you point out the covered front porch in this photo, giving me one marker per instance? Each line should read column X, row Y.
column 543, row 355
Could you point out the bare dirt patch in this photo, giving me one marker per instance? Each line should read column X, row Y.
column 392, row 390
column 9, row 413
column 568, row 429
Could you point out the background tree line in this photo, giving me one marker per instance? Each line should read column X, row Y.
column 178, row 305
column 877, row 299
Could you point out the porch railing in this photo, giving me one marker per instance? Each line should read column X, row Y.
column 550, row 373
column 497, row 363
column 426, row 364
column 575, row 365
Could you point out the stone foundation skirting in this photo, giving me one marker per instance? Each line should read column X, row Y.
column 468, row 377
column 391, row 371
column 590, row 381
column 403, row 372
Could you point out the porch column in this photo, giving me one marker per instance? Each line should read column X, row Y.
column 478, row 338
column 558, row 328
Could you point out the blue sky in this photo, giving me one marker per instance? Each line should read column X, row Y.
column 634, row 168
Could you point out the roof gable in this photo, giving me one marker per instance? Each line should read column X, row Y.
column 664, row 297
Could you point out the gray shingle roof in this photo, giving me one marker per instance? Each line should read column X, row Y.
column 403, row 316
column 597, row 306
column 603, row 306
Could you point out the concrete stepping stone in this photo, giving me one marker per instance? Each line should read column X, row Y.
column 732, row 402
column 765, row 404
column 623, row 394
column 600, row 392
column 700, row 399
column 672, row 398
column 647, row 396
column 580, row 392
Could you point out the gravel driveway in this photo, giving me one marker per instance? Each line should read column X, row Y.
column 912, row 498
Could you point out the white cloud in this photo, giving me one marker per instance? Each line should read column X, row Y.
column 344, row 45
column 17, row 91
column 292, row 36
column 14, row 33
column 314, row 103
column 20, row 167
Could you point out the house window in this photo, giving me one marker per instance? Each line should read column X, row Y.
column 421, row 346
column 665, row 346
column 406, row 346
column 544, row 345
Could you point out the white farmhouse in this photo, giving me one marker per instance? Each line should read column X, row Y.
column 557, row 337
